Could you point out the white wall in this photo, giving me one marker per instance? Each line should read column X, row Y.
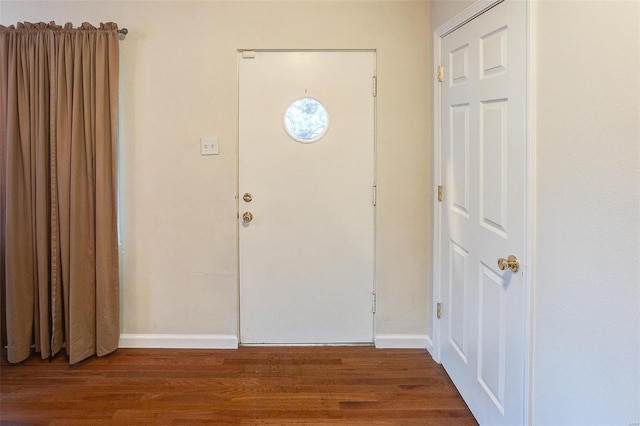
column 586, row 260
column 179, row 82
column 586, row 364
column 443, row 10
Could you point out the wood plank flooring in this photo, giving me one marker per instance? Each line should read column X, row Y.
column 251, row 385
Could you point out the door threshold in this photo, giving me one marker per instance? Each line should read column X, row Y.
column 255, row 345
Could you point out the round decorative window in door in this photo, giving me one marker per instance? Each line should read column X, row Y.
column 306, row 120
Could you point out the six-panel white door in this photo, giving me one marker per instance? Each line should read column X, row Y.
column 484, row 212
column 306, row 256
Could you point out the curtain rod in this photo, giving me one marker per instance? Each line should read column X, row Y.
column 122, row 33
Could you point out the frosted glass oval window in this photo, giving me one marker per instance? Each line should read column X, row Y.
column 306, row 120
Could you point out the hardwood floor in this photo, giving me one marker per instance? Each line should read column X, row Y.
column 266, row 385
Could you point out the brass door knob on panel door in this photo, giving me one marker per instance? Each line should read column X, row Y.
column 247, row 197
column 247, row 217
column 510, row 262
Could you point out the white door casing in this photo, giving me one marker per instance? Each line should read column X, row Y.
column 307, row 256
column 481, row 337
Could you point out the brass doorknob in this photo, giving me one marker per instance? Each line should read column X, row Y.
column 247, row 217
column 247, row 197
column 510, row 262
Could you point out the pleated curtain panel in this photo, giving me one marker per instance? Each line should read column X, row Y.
column 58, row 123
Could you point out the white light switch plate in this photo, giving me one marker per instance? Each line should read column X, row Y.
column 209, row 145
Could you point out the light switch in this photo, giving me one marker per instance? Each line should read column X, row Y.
column 209, row 145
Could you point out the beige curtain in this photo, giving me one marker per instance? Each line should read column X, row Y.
column 58, row 106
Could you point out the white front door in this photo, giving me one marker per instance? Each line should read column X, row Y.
column 306, row 241
column 483, row 143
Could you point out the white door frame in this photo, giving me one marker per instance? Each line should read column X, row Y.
column 375, row 179
column 454, row 23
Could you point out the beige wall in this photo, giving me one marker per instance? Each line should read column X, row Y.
column 179, row 82
column 585, row 75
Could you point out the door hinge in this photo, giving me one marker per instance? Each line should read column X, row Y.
column 373, row 302
column 375, row 86
column 440, row 73
column 439, row 310
column 375, row 195
column 440, row 193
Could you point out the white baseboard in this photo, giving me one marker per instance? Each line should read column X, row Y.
column 429, row 346
column 179, row 341
column 218, row 341
column 402, row 341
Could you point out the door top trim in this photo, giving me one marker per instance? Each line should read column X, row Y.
column 473, row 11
